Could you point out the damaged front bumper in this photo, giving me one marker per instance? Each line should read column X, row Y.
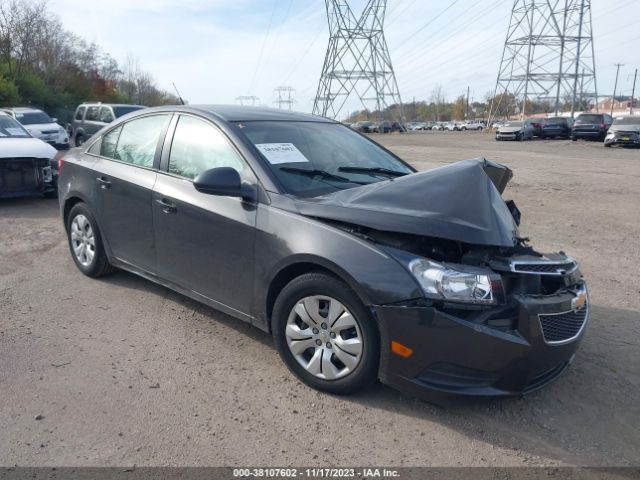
column 21, row 177
column 509, row 350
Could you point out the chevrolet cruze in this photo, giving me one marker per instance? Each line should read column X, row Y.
column 360, row 267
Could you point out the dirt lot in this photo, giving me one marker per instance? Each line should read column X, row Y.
column 125, row 372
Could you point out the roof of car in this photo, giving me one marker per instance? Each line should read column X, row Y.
column 100, row 104
column 236, row 113
column 23, row 109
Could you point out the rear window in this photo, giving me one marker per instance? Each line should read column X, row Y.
column 590, row 119
column 627, row 121
column 556, row 121
column 120, row 111
column 33, row 118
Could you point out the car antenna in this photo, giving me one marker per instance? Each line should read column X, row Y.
column 179, row 97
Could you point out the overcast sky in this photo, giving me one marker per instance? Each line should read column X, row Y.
column 217, row 50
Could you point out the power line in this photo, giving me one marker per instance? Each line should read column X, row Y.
column 264, row 42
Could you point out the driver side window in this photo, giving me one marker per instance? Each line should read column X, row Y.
column 198, row 146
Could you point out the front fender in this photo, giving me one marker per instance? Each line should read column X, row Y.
column 284, row 239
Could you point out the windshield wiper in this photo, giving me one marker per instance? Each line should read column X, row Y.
column 380, row 170
column 318, row 173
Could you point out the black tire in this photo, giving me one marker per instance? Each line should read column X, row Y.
column 99, row 265
column 607, row 145
column 79, row 140
column 310, row 284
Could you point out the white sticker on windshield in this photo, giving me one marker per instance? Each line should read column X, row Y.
column 278, row 153
column 15, row 131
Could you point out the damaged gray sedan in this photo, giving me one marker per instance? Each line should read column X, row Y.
column 360, row 267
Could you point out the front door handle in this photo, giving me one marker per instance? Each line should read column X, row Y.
column 104, row 183
column 167, row 206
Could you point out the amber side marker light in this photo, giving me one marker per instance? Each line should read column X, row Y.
column 400, row 349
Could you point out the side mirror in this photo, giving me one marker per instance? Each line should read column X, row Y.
column 222, row 181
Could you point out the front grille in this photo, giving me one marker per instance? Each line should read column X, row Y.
column 20, row 175
column 563, row 327
column 49, row 132
column 631, row 135
column 548, row 268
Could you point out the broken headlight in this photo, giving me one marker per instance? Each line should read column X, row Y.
column 459, row 283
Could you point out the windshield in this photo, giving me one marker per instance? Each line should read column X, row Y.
column 120, row 111
column 627, row 121
column 33, row 118
column 556, row 121
column 9, row 128
column 312, row 159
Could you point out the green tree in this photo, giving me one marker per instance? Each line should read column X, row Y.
column 9, row 94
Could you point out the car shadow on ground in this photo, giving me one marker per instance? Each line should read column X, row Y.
column 567, row 421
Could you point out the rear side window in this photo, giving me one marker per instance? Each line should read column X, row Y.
column 79, row 113
column 109, row 143
column 138, row 140
column 198, row 146
column 93, row 114
column 105, row 115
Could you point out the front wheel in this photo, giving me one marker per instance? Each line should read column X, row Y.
column 325, row 335
column 85, row 242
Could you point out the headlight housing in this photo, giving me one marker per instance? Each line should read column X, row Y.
column 459, row 283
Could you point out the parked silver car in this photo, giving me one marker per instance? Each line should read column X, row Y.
column 40, row 125
column 515, row 131
column 624, row 131
column 91, row 117
column 472, row 125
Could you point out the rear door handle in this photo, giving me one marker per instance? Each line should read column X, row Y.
column 167, row 206
column 104, row 183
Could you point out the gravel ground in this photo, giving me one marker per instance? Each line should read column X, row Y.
column 119, row 371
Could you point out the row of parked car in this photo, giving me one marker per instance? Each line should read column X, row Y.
column 30, row 139
column 389, row 127
column 624, row 130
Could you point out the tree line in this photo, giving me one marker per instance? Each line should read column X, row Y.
column 45, row 66
column 438, row 108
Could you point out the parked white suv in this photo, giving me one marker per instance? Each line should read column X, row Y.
column 472, row 125
column 40, row 125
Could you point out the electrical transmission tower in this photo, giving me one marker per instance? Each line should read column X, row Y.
column 357, row 61
column 246, row 100
column 548, row 57
column 284, row 97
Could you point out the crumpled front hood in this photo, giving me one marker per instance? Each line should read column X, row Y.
column 459, row 202
column 510, row 129
column 25, row 147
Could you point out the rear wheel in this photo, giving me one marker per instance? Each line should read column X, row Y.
column 85, row 242
column 325, row 335
column 79, row 140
